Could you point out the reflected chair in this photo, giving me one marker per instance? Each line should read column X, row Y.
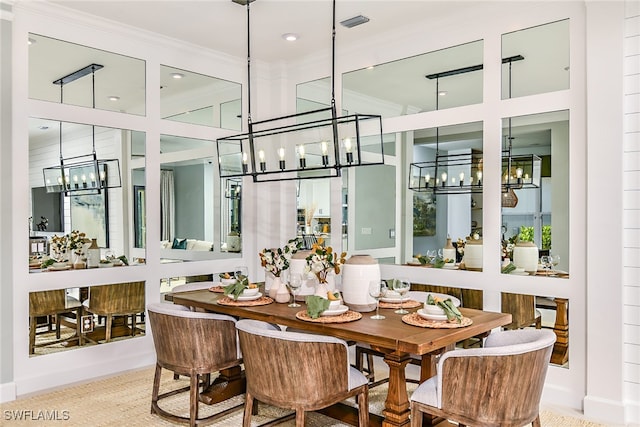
column 292, row 370
column 52, row 303
column 193, row 344
column 522, row 309
column 498, row 385
column 119, row 299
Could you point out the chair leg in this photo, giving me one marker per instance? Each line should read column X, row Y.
column 133, row 325
column 57, row 326
column 193, row 399
column 416, row 416
column 32, row 334
column 248, row 409
column 79, row 326
column 363, row 408
column 536, row 421
column 156, row 387
column 299, row 417
column 107, row 327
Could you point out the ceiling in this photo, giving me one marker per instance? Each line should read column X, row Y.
column 222, row 24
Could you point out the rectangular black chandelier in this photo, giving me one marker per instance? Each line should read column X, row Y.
column 302, row 146
column 80, row 175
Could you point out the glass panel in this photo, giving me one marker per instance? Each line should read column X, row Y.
column 374, row 190
column 119, row 84
column 83, row 213
column 409, row 86
column 539, row 215
column 545, row 64
column 194, row 98
column 458, row 216
column 59, row 322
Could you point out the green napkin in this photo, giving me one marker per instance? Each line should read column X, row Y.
column 449, row 308
column 235, row 289
column 508, row 268
column 316, row 305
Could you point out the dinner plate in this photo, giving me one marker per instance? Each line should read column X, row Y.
column 52, row 268
column 450, row 266
column 338, row 311
column 395, row 299
column 249, row 297
column 438, row 317
column 519, row 273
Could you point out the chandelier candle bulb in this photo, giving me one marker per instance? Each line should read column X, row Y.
column 461, row 179
column 303, row 161
column 245, row 159
column 427, row 179
column 479, row 175
column 444, row 178
column 348, row 148
column 281, row 153
column 325, row 156
column 263, row 164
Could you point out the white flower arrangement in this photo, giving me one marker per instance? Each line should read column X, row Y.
column 276, row 260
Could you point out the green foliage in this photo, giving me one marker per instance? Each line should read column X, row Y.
column 526, row 234
column 546, row 237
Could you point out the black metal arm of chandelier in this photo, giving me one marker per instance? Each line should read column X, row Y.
column 462, row 173
column 308, row 145
column 83, row 174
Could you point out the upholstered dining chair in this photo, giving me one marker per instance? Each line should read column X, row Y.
column 119, row 299
column 498, row 385
column 193, row 344
column 52, row 303
column 292, row 370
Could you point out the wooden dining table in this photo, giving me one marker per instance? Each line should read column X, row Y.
column 397, row 340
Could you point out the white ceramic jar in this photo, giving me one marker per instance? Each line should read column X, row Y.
column 525, row 255
column 357, row 272
column 473, row 255
column 298, row 265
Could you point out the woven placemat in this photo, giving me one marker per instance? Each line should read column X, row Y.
column 348, row 316
column 414, row 319
column 410, row 303
column 230, row 301
column 217, row 288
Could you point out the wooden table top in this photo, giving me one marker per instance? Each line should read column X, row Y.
column 391, row 333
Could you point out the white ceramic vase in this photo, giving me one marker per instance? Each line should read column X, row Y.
column 298, row 265
column 525, row 255
column 473, row 255
column 276, row 284
column 357, row 272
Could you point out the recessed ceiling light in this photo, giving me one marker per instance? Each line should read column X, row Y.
column 177, row 75
column 114, row 98
column 442, row 93
column 290, row 37
column 43, row 127
column 31, row 41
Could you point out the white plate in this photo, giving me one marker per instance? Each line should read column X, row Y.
column 395, row 299
column 52, row 268
column 250, row 297
column 455, row 300
column 450, row 267
column 438, row 317
column 338, row 311
column 519, row 273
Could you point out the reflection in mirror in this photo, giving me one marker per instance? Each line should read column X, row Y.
column 119, row 85
column 98, row 216
column 64, row 319
column 314, row 211
column 540, row 215
column 529, row 311
column 545, row 67
column 458, row 216
column 194, row 98
column 231, row 215
column 190, row 200
column 404, row 86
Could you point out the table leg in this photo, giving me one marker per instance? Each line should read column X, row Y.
column 231, row 382
column 560, row 354
column 396, row 407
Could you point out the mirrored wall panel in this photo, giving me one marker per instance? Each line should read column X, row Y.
column 446, row 175
column 193, row 202
column 535, row 211
column 540, row 60
column 441, row 79
column 83, row 199
column 66, row 319
column 198, row 99
column 54, row 64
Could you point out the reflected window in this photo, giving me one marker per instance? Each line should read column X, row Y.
column 409, row 85
column 198, row 99
column 119, row 84
column 541, row 214
column 545, row 60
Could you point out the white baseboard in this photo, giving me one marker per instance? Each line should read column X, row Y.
column 632, row 413
column 604, row 410
column 7, row 392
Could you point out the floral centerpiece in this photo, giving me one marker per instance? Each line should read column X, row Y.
column 59, row 246
column 322, row 260
column 76, row 242
column 277, row 260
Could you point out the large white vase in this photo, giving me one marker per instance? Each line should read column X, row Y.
column 473, row 255
column 357, row 272
column 525, row 255
column 298, row 265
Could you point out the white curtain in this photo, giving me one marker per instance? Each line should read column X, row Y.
column 167, row 205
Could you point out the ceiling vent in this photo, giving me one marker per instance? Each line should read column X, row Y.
column 353, row 22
